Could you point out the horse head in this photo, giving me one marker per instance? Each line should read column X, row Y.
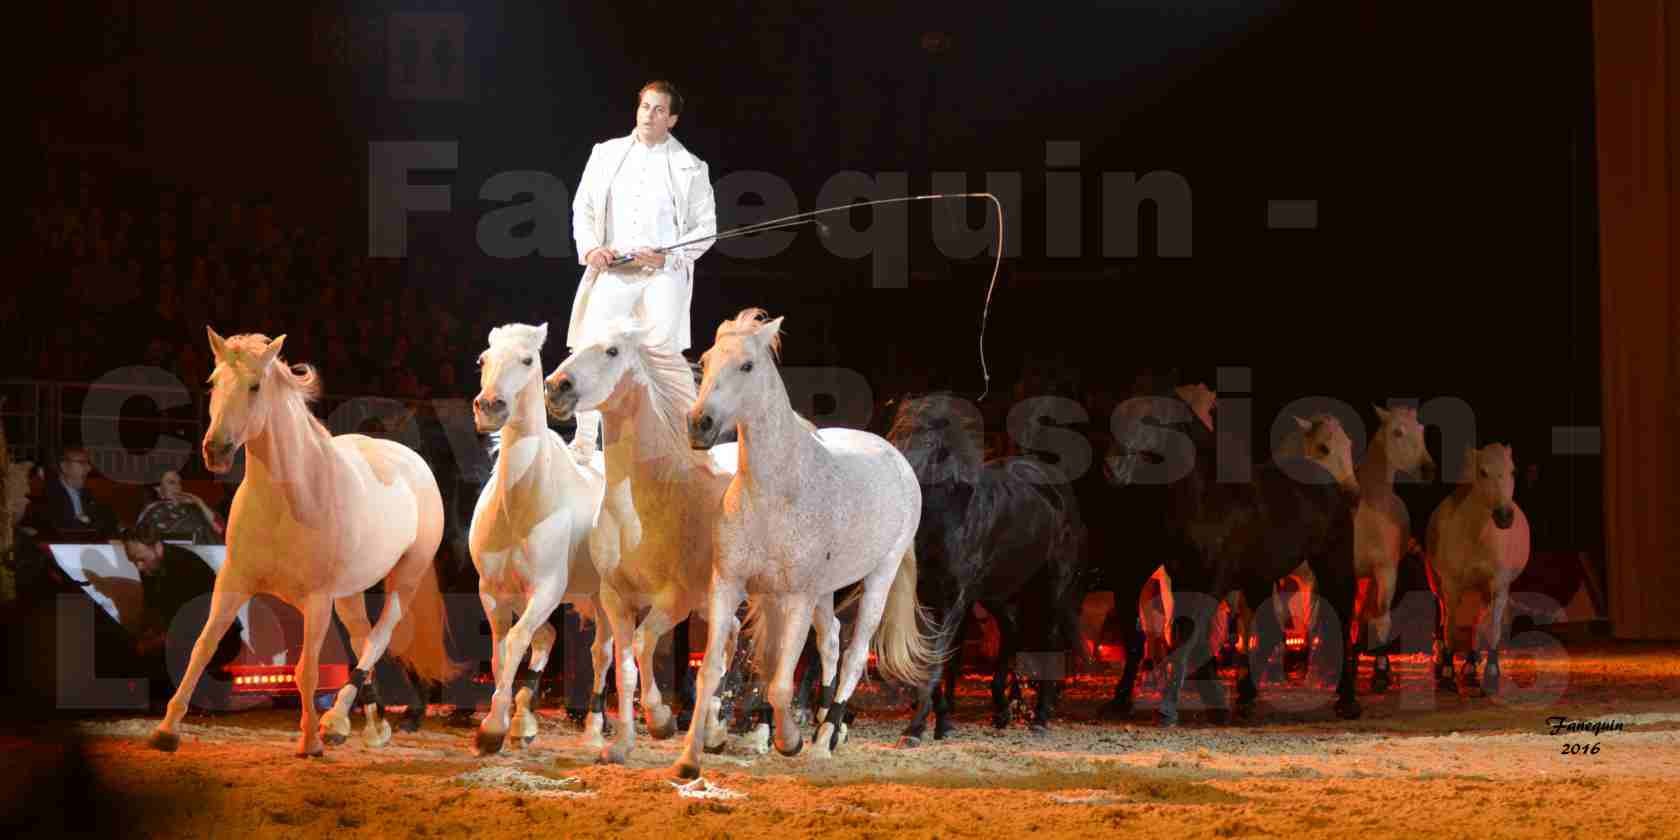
column 590, row 376
column 1402, row 438
column 941, row 436
column 506, row 369
column 1491, row 474
column 738, row 376
column 249, row 380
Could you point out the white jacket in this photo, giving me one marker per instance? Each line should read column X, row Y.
column 691, row 183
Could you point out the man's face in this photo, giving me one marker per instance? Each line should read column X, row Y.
column 147, row 558
column 75, row 468
column 169, row 486
column 654, row 119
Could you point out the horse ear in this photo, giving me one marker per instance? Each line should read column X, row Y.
column 542, row 333
column 1305, row 425
column 1382, row 413
column 218, row 346
column 771, row 328
column 271, row 352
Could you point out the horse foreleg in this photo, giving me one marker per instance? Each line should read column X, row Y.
column 1497, row 612
column 828, row 651
column 224, row 606
column 1009, row 644
column 717, row 731
column 317, row 614
column 529, row 695
column 500, row 615
column 660, row 723
column 797, row 615
column 947, row 634
column 493, row 731
column 1446, row 679
column 725, row 598
column 1380, row 601
column 1135, row 637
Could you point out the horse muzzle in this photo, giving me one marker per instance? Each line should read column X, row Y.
column 1504, row 517
column 218, row 457
column 702, row 431
column 489, row 414
column 561, row 396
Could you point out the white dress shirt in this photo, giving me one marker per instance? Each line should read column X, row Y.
column 642, row 211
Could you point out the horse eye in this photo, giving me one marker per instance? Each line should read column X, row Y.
column 746, row 367
column 1484, row 473
column 1398, row 433
column 612, row 351
column 1324, row 449
column 526, row 361
column 255, row 386
column 479, row 361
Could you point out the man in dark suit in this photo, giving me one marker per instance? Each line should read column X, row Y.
column 69, row 509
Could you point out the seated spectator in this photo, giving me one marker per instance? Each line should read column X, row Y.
column 71, row 511
column 172, row 579
column 178, row 514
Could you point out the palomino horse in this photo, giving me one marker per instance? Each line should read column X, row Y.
column 806, row 514
column 317, row 520
column 652, row 544
column 988, row 529
column 530, row 531
column 1220, row 537
column 1477, row 544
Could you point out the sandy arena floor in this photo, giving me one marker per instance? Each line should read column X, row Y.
column 1416, row 764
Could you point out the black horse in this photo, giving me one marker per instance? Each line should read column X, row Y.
column 1217, row 537
column 995, row 532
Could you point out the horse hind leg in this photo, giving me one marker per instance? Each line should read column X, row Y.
column 927, row 692
column 224, row 606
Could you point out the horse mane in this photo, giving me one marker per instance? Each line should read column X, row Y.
column 962, row 435
column 747, row 322
column 302, row 380
column 670, row 384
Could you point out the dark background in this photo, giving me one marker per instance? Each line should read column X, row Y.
column 1449, row 149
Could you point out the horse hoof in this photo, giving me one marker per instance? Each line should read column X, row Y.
column 616, row 754
column 909, row 742
column 1219, row 717
column 715, row 749
column 1475, row 691
column 164, row 741
column 687, row 770
column 941, row 731
column 1380, row 682
column 334, row 739
column 489, row 743
column 798, row 745
column 528, row 739
column 661, row 731
column 1000, row 722
column 1445, row 686
column 1166, row 720
column 314, row 751
column 1348, row 709
column 1039, row 730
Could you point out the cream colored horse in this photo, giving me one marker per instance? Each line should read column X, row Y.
column 1382, row 526
column 1478, row 543
column 806, row 514
column 530, row 533
column 316, row 522
column 652, row 544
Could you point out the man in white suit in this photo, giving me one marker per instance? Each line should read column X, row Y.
column 639, row 192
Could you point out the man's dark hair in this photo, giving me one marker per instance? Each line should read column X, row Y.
column 145, row 533
column 662, row 86
column 65, row 453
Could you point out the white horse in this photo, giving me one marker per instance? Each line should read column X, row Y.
column 530, row 532
column 805, row 515
column 317, row 520
column 1477, row 544
column 1382, row 527
column 652, row 543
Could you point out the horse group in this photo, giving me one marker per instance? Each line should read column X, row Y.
column 901, row 535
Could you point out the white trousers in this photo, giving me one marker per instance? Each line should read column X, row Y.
column 654, row 298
